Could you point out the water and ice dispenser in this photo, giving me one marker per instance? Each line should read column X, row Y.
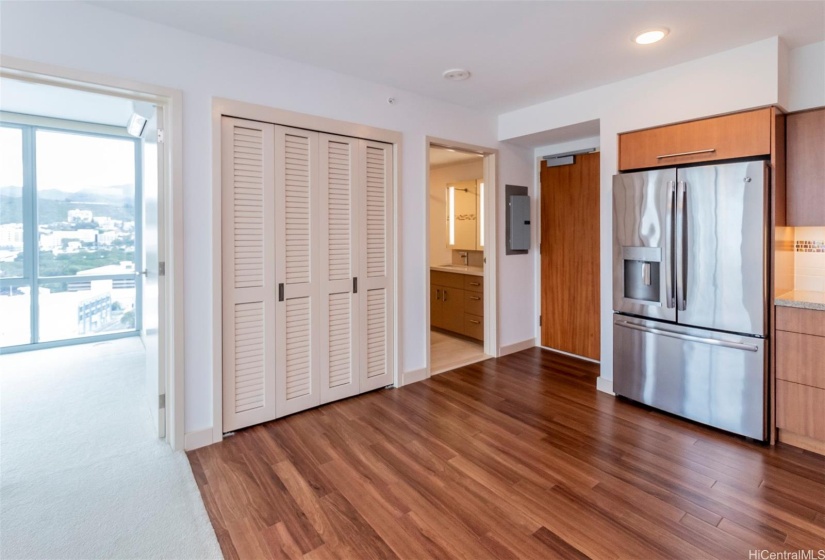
column 642, row 267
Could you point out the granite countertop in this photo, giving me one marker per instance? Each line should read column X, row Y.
column 460, row 269
column 802, row 300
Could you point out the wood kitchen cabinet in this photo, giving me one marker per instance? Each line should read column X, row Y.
column 731, row 136
column 800, row 377
column 805, row 184
column 457, row 303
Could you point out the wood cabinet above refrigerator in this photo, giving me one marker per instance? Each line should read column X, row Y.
column 731, row 136
column 806, row 168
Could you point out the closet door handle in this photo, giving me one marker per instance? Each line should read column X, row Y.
column 281, row 292
column 355, row 285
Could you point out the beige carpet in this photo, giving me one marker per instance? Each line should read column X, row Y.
column 82, row 474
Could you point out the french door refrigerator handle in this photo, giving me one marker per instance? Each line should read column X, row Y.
column 671, row 295
column 689, row 337
column 681, row 265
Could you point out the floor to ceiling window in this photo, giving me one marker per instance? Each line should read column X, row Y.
column 70, row 231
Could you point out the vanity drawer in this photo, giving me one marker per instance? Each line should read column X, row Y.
column 448, row 279
column 474, row 283
column 474, row 303
column 474, row 326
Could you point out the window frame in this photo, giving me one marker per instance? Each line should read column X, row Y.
column 29, row 125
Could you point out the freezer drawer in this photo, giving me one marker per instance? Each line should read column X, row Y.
column 713, row 378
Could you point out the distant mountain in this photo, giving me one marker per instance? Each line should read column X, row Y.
column 112, row 195
column 117, row 194
column 14, row 192
column 115, row 202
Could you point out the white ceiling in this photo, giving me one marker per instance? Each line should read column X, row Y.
column 519, row 52
column 63, row 103
column 441, row 157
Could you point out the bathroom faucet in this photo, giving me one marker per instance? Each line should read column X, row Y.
column 464, row 257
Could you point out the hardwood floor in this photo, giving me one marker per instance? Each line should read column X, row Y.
column 518, row 457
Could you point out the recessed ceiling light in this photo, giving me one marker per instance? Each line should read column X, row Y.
column 651, row 36
column 456, row 74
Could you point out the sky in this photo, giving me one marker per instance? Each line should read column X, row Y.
column 68, row 162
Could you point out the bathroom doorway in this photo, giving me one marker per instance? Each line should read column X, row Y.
column 459, row 186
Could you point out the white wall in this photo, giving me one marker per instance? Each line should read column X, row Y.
column 82, row 36
column 564, row 147
column 440, row 252
column 806, row 77
column 729, row 81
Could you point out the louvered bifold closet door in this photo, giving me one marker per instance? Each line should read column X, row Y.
column 297, row 219
column 248, row 277
column 375, row 278
column 339, row 186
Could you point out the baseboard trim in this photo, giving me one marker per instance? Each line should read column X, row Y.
column 198, row 439
column 413, row 376
column 516, row 347
column 605, row 385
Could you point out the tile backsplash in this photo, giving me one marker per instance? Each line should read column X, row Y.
column 474, row 258
column 809, row 259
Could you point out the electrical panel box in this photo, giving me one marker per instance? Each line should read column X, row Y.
column 518, row 220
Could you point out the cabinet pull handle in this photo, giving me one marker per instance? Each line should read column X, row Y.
column 355, row 285
column 475, row 322
column 475, row 298
column 281, row 292
column 475, row 284
column 438, row 295
column 445, row 295
column 693, row 153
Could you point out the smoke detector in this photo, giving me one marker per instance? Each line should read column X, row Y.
column 456, row 74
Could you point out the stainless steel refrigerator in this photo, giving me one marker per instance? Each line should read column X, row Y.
column 690, row 288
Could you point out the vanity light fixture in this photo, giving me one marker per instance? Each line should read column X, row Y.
column 451, row 214
column 651, row 36
column 481, row 213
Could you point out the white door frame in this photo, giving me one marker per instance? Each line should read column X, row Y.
column 491, row 347
column 170, row 233
column 241, row 110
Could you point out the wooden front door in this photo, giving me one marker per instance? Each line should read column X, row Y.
column 570, row 256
